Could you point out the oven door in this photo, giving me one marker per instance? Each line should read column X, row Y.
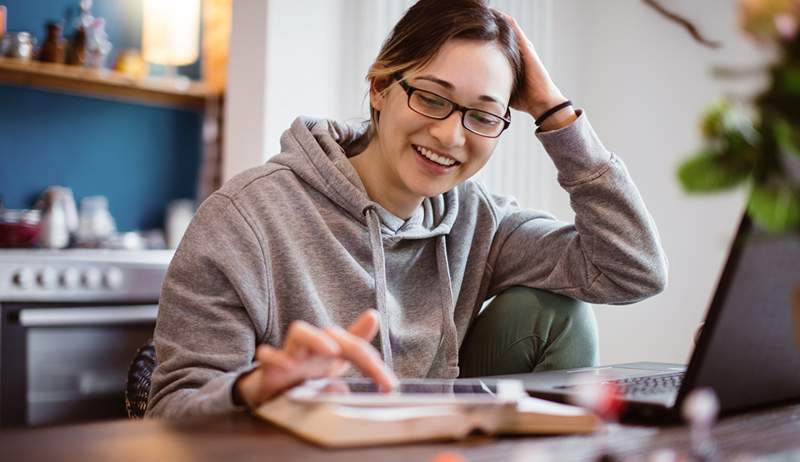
column 68, row 362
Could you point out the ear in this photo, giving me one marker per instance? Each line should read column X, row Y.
column 377, row 97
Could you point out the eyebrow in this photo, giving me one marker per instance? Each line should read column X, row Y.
column 450, row 86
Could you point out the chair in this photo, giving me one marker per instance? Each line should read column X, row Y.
column 137, row 389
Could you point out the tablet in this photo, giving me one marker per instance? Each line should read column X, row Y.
column 410, row 392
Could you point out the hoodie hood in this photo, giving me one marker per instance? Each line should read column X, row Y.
column 317, row 152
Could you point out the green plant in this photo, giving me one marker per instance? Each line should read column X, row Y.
column 759, row 145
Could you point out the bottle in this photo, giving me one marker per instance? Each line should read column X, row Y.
column 97, row 43
column 54, row 233
column 58, row 217
column 179, row 214
column 77, row 53
column 53, row 48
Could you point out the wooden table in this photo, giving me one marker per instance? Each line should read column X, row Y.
column 240, row 437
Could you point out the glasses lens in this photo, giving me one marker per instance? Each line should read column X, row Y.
column 483, row 123
column 430, row 104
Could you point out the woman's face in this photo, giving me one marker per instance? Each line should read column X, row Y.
column 470, row 73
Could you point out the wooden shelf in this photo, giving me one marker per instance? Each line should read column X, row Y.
column 103, row 83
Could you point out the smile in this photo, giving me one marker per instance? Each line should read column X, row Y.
column 435, row 158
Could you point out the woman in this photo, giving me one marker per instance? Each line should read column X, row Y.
column 378, row 227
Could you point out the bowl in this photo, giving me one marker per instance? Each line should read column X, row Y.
column 19, row 228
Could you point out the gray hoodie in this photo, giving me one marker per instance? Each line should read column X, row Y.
column 298, row 238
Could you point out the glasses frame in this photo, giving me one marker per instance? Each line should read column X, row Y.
column 409, row 89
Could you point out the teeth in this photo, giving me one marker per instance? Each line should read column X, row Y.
column 428, row 154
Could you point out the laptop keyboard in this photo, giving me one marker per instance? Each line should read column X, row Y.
column 632, row 387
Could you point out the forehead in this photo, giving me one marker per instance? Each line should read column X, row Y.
column 474, row 68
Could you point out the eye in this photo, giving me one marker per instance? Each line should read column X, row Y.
column 430, row 100
column 483, row 118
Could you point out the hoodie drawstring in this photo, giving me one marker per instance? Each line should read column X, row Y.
column 449, row 341
column 379, row 267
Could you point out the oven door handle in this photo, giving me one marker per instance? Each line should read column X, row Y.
column 90, row 315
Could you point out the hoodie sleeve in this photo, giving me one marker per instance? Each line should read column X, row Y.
column 212, row 313
column 611, row 254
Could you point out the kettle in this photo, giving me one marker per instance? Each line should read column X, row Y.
column 59, row 217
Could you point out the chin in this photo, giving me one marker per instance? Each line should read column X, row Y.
column 431, row 192
column 423, row 187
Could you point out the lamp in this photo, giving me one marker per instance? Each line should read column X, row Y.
column 170, row 33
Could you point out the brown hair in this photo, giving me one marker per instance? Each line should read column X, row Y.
column 425, row 28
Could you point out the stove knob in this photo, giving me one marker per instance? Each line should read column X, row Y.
column 70, row 278
column 24, row 278
column 113, row 279
column 92, row 278
column 47, row 279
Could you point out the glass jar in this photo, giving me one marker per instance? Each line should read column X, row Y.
column 19, row 45
column 95, row 223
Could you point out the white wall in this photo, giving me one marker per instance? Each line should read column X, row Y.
column 642, row 80
column 245, row 118
column 303, row 57
column 318, row 54
column 644, row 83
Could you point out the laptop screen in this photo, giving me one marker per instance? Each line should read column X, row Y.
column 748, row 351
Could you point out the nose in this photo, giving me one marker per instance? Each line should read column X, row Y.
column 449, row 132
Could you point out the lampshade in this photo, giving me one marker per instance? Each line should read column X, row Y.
column 171, row 31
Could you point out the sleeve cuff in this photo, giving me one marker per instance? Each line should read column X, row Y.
column 576, row 151
column 236, row 400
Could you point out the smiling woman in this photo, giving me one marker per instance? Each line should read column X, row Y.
column 379, row 226
column 400, row 165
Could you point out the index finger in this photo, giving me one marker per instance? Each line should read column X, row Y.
column 361, row 354
column 366, row 326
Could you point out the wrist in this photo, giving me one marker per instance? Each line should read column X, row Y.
column 544, row 103
column 246, row 389
column 558, row 119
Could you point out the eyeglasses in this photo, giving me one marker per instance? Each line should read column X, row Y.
column 438, row 107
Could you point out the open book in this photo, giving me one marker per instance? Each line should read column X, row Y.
column 355, row 418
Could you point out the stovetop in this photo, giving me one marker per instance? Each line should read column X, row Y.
column 81, row 275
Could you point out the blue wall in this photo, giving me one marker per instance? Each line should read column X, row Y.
column 139, row 156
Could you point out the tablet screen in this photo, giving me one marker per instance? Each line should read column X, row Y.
column 417, row 391
column 433, row 387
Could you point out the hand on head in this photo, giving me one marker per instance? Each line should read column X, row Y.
column 310, row 352
column 539, row 92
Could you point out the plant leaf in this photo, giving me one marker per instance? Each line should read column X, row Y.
column 787, row 137
column 776, row 207
column 790, row 80
column 707, row 171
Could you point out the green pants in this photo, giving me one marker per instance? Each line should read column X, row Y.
column 525, row 330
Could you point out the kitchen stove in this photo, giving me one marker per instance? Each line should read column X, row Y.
column 70, row 322
column 81, row 274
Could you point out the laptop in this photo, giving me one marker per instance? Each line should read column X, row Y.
column 748, row 350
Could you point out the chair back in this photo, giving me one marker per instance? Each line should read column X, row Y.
column 137, row 390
